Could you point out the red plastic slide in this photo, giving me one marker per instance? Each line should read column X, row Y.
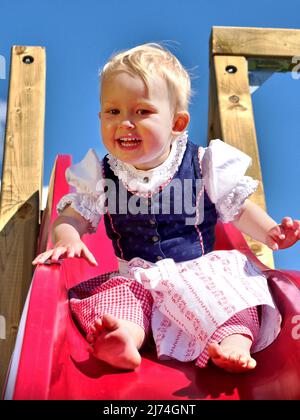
column 51, row 361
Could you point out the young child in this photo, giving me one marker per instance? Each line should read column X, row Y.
column 161, row 196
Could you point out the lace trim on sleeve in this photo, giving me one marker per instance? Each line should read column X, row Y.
column 229, row 206
column 89, row 206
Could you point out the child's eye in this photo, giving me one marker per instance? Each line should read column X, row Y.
column 143, row 111
column 113, row 111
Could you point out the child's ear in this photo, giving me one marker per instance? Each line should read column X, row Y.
column 181, row 121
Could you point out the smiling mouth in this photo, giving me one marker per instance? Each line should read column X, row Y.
column 127, row 142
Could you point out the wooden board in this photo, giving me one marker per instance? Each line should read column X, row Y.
column 256, row 42
column 21, row 188
column 44, row 237
column 237, row 126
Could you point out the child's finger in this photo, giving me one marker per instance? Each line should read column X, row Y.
column 77, row 251
column 57, row 252
column 287, row 222
column 37, row 260
column 277, row 232
column 296, row 225
column 70, row 253
column 89, row 256
column 279, row 235
column 290, row 226
column 272, row 244
column 40, row 259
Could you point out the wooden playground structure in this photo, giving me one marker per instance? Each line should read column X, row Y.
column 233, row 51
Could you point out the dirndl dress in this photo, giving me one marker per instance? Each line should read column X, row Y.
column 186, row 304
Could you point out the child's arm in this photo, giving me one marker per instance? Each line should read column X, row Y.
column 255, row 222
column 66, row 236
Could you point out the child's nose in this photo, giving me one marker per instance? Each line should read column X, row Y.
column 126, row 124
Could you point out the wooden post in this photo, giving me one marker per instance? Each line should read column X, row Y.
column 232, row 107
column 44, row 235
column 21, row 188
column 213, row 129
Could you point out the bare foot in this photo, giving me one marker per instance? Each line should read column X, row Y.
column 116, row 341
column 233, row 354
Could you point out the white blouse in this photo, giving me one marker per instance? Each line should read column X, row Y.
column 223, row 171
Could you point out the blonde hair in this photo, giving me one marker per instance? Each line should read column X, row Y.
column 150, row 60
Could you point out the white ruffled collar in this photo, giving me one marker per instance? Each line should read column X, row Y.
column 144, row 182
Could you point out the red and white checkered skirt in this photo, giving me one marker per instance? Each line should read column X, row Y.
column 166, row 297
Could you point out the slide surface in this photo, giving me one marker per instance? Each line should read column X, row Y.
column 54, row 363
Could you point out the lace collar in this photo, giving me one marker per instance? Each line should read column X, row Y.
column 143, row 182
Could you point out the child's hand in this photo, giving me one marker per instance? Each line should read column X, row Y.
column 70, row 250
column 284, row 235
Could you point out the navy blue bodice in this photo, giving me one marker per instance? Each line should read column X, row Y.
column 176, row 222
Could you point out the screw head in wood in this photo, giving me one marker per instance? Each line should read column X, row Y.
column 234, row 99
column 231, row 69
column 28, row 59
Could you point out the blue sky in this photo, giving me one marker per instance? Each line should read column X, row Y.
column 79, row 37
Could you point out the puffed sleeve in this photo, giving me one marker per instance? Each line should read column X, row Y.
column 89, row 198
column 224, row 168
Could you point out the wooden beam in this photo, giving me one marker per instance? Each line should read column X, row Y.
column 44, row 236
column 273, row 64
column 21, row 187
column 256, row 42
column 24, row 135
column 213, row 129
column 236, row 126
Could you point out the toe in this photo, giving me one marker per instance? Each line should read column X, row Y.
column 98, row 326
column 90, row 349
column 214, row 350
column 110, row 322
column 234, row 357
column 251, row 363
column 243, row 360
column 90, row 338
column 93, row 329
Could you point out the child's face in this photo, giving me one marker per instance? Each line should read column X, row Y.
column 131, row 110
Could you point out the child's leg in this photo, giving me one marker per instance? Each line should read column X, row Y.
column 229, row 347
column 116, row 320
